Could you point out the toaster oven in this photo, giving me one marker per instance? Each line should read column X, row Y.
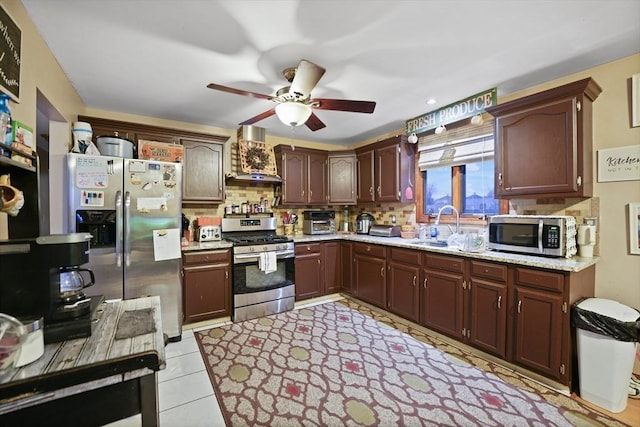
column 319, row 222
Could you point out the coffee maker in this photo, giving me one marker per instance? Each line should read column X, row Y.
column 42, row 277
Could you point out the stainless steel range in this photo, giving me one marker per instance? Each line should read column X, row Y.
column 263, row 267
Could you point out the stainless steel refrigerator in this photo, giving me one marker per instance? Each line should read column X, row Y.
column 132, row 209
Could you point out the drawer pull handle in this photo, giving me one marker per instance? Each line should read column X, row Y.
column 382, row 272
column 499, row 301
column 415, row 279
column 519, row 305
column 424, row 283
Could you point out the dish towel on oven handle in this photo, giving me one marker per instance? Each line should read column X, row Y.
column 268, row 262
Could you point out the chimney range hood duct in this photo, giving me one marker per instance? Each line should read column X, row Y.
column 250, row 133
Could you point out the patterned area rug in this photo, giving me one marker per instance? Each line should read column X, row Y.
column 339, row 364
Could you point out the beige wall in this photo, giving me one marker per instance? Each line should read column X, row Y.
column 618, row 272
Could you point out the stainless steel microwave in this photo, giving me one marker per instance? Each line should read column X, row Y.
column 531, row 234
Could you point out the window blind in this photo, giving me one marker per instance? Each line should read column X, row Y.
column 457, row 147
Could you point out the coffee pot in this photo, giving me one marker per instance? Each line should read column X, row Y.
column 72, row 284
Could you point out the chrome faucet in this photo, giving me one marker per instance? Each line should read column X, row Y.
column 457, row 217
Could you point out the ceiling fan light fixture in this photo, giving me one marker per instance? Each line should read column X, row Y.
column 293, row 113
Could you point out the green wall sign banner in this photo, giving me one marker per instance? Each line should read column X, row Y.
column 10, row 55
column 459, row 110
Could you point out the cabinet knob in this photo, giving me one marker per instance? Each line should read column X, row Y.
column 382, row 272
column 415, row 279
column 500, row 179
column 424, row 283
column 379, row 190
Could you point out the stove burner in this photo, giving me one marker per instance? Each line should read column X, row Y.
column 257, row 239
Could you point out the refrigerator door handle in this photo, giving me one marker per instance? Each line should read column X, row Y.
column 127, row 229
column 119, row 228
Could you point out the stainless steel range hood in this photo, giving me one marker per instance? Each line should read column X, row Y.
column 249, row 133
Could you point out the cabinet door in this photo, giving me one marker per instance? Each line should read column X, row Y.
column 346, row 249
column 388, row 174
column 442, row 302
column 294, row 175
column 316, row 179
column 331, row 267
column 202, row 174
column 539, row 330
column 536, row 151
column 308, row 276
column 342, row 179
column 206, row 292
column 403, row 298
column 370, row 279
column 365, row 177
column 488, row 316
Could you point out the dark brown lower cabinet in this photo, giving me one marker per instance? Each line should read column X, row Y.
column 369, row 273
column 206, row 285
column 443, row 294
column 487, row 290
column 346, row 264
column 308, row 270
column 538, row 342
column 487, row 325
column 330, row 264
column 403, row 287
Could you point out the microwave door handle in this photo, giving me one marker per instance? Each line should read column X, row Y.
column 127, row 229
column 540, row 229
column 119, row 220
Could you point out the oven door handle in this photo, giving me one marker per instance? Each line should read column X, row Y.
column 256, row 257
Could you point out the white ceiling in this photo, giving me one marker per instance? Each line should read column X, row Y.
column 155, row 57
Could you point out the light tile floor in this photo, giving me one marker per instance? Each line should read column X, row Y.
column 185, row 394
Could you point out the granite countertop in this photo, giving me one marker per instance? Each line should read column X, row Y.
column 573, row 264
column 203, row 246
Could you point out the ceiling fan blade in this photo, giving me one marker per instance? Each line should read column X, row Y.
column 238, row 91
column 314, row 123
column 259, row 117
column 345, row 105
column 307, row 76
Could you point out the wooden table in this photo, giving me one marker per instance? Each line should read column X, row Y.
column 90, row 381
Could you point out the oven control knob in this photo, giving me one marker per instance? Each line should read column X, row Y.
column 252, row 249
column 265, row 248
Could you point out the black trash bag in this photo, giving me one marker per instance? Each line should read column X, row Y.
column 604, row 325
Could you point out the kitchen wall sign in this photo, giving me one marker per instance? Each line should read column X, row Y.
column 619, row 164
column 468, row 107
column 10, row 55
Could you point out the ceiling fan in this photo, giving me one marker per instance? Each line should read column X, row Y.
column 294, row 103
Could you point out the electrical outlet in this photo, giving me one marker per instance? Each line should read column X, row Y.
column 591, row 221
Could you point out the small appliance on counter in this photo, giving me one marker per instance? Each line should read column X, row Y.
column 586, row 240
column 385, row 230
column 208, row 233
column 319, row 222
column 364, row 221
column 48, row 270
column 547, row 235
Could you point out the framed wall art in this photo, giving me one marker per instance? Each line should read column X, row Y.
column 634, row 228
column 635, row 100
column 11, row 56
column 619, row 164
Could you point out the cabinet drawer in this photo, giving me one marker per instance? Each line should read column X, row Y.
column 370, row 250
column 490, row 271
column 307, row 248
column 540, row 279
column 444, row 262
column 206, row 257
column 407, row 256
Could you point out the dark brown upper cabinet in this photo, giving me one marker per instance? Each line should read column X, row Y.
column 386, row 171
column 304, row 175
column 543, row 143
